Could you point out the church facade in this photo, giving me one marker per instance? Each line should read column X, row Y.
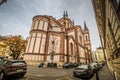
column 57, row 41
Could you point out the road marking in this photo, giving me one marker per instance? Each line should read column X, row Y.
column 42, row 75
column 64, row 78
column 31, row 78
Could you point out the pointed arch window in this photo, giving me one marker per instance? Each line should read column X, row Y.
column 71, row 48
column 80, row 39
column 85, row 37
column 64, row 23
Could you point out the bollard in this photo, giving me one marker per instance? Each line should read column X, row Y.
column 97, row 76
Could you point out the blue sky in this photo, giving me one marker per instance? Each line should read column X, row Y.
column 16, row 15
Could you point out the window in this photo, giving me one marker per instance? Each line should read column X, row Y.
column 64, row 23
column 71, row 47
column 86, row 37
column 98, row 5
column 80, row 39
column 36, row 24
column 41, row 25
column 45, row 26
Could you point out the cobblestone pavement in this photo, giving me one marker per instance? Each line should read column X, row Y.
column 35, row 73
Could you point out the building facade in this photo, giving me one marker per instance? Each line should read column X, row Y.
column 94, row 57
column 3, row 49
column 107, row 14
column 100, row 55
column 57, row 41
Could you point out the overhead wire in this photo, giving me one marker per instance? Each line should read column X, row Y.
column 44, row 7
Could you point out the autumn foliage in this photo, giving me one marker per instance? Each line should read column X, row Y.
column 16, row 45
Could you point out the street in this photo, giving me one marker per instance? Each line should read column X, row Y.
column 35, row 73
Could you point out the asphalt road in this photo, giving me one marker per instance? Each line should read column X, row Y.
column 35, row 73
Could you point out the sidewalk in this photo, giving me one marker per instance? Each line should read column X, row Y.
column 104, row 74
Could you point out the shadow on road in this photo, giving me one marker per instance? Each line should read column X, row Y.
column 15, row 77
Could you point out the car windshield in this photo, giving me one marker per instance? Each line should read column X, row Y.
column 83, row 67
column 3, row 62
column 18, row 63
column 93, row 63
column 66, row 63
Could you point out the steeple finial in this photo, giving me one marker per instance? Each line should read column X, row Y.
column 85, row 27
column 66, row 14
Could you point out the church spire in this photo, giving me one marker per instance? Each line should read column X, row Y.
column 85, row 27
column 64, row 14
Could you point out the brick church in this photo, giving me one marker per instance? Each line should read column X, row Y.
column 57, row 41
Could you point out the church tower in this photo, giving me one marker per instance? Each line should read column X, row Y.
column 57, row 41
column 87, row 43
column 65, row 21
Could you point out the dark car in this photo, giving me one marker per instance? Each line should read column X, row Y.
column 95, row 66
column 68, row 65
column 41, row 64
column 101, row 64
column 83, row 71
column 77, row 64
column 12, row 67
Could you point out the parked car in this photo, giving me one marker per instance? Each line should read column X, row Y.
column 1, row 58
column 12, row 67
column 95, row 66
column 83, row 71
column 52, row 65
column 68, row 65
column 41, row 64
column 77, row 64
column 101, row 64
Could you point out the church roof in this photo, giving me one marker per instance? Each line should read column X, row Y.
column 85, row 27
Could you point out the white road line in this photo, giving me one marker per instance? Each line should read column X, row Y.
column 64, row 78
column 42, row 75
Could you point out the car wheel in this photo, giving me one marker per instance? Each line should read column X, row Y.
column 91, row 75
column 1, row 75
column 22, row 75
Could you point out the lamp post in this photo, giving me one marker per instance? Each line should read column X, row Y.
column 52, row 56
column 53, row 52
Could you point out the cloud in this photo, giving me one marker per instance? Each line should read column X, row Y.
column 16, row 15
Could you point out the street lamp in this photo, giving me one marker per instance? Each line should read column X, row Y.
column 53, row 52
column 52, row 55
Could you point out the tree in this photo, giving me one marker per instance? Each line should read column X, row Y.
column 16, row 45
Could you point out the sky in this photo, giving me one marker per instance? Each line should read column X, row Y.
column 16, row 15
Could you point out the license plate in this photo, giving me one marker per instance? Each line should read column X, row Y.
column 20, row 70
